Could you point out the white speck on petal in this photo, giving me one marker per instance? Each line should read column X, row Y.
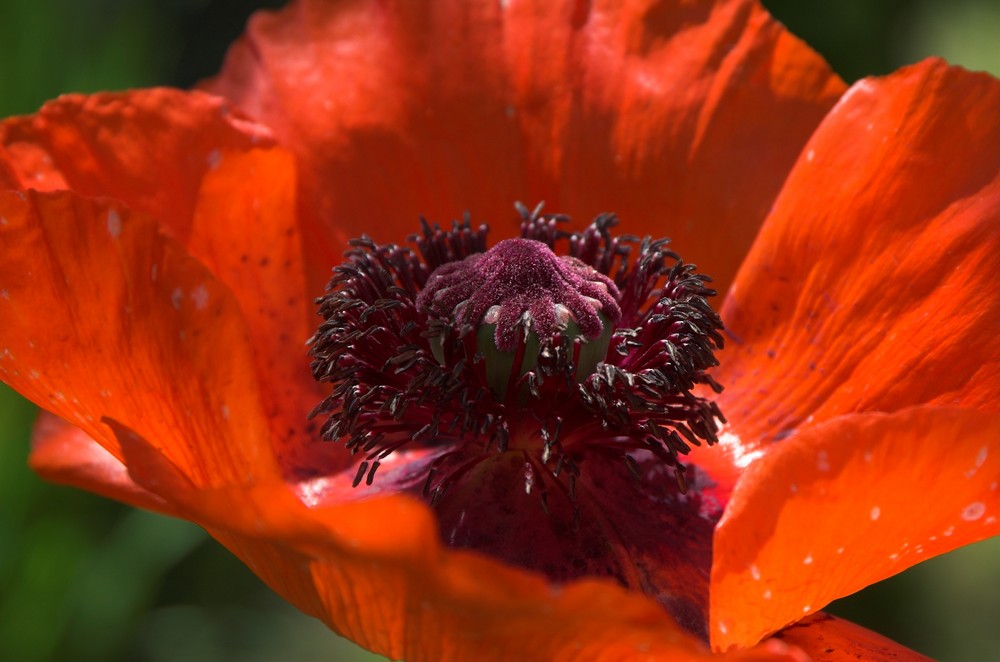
column 200, row 297
column 807, row 560
column 755, row 573
column 806, row 609
column 225, row 412
column 894, row 556
column 875, row 513
column 980, row 461
column 823, row 461
column 114, row 223
column 950, row 530
column 213, row 159
column 723, row 628
column 974, row 511
column 767, row 594
column 176, row 297
column 810, row 155
column 840, row 550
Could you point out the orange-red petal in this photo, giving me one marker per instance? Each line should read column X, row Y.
column 63, row 453
column 873, row 284
column 147, row 148
column 245, row 229
column 377, row 573
column 105, row 316
column 653, row 110
column 831, row 639
column 189, row 161
column 872, row 288
column 846, row 503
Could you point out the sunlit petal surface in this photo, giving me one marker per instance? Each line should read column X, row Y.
column 650, row 110
column 894, row 311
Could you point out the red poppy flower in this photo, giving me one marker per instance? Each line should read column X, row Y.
column 162, row 250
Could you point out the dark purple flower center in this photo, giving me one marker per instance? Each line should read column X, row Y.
column 521, row 297
column 538, row 401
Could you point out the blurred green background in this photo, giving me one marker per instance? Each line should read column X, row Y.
column 86, row 579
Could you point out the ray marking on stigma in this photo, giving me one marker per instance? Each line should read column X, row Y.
column 470, row 353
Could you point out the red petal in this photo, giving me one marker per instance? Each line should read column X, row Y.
column 873, row 284
column 147, row 148
column 187, row 159
column 871, row 288
column 245, row 230
column 63, row 453
column 654, row 112
column 827, row 638
column 104, row 316
column 376, row 573
column 844, row 504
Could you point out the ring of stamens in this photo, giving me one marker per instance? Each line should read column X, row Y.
column 398, row 344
